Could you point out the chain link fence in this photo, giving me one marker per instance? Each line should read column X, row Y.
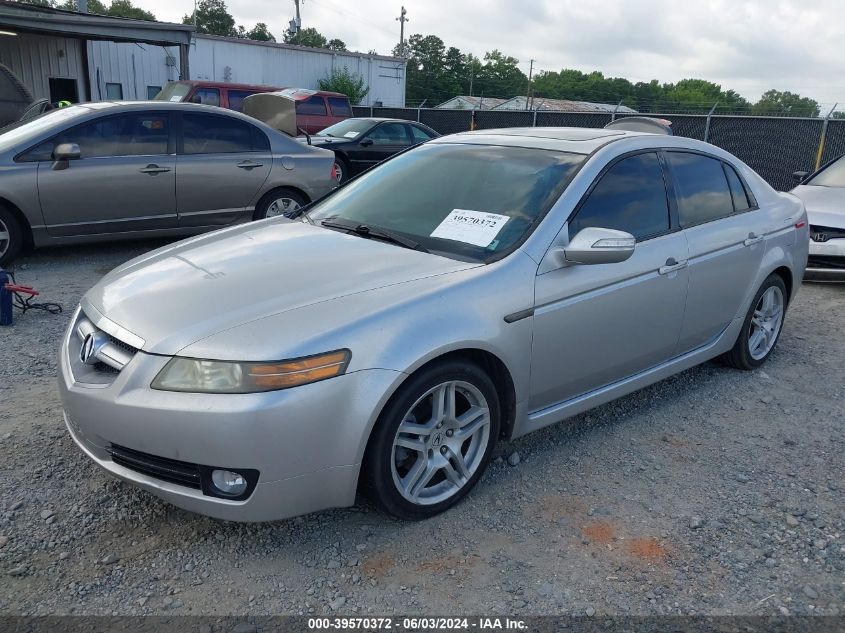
column 774, row 147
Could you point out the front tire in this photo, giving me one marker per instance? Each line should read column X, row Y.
column 341, row 169
column 11, row 237
column 762, row 326
column 279, row 202
column 433, row 440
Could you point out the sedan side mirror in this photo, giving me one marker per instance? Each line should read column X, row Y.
column 63, row 153
column 366, row 142
column 596, row 245
column 799, row 176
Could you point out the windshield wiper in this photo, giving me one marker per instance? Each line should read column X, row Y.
column 374, row 232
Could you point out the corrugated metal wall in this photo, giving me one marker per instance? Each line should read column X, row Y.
column 222, row 59
column 136, row 67
column 37, row 58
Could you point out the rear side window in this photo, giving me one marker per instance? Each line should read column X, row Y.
column 340, row 106
column 701, row 187
column 206, row 96
column 738, row 192
column 420, row 135
column 312, row 105
column 630, row 197
column 209, row 134
column 123, row 135
column 236, row 99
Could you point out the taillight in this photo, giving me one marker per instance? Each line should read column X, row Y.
column 800, row 225
column 334, row 171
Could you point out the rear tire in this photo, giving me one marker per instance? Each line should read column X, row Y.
column 11, row 237
column 762, row 326
column 342, row 167
column 449, row 417
column 279, row 202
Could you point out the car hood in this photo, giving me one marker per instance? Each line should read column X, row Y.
column 188, row 291
column 825, row 205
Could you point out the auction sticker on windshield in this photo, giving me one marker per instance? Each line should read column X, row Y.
column 472, row 227
column 351, row 134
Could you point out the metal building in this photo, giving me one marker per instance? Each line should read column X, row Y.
column 63, row 54
column 79, row 57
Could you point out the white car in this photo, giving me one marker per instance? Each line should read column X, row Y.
column 823, row 193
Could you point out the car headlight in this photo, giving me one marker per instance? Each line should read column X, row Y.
column 214, row 376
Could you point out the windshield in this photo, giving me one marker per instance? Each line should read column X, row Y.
column 173, row 91
column 21, row 131
column 831, row 176
column 469, row 202
column 350, row 128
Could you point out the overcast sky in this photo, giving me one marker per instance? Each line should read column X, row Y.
column 748, row 46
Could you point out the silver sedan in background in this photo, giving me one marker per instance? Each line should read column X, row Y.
column 482, row 285
column 104, row 171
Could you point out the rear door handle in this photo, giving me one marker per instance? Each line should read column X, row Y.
column 248, row 164
column 671, row 266
column 752, row 239
column 154, row 169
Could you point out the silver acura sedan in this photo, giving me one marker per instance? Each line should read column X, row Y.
column 483, row 285
column 122, row 170
column 823, row 193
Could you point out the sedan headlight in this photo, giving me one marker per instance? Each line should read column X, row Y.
column 214, row 376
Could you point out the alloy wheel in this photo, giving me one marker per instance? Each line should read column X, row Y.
column 281, row 206
column 766, row 323
column 338, row 170
column 440, row 443
column 5, row 238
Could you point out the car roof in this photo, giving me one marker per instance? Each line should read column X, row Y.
column 263, row 87
column 577, row 140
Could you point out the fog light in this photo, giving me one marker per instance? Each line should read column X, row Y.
column 229, row 483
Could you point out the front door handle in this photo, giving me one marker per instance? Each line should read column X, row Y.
column 248, row 164
column 153, row 169
column 752, row 239
column 671, row 266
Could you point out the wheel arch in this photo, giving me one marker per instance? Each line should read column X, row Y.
column 275, row 189
column 20, row 216
column 785, row 273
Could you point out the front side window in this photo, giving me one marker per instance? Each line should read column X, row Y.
column 123, row 135
column 512, row 185
column 206, row 96
column 210, row 134
column 390, row 134
column 630, row 197
column 340, row 106
column 315, row 105
column 701, row 188
column 831, row 176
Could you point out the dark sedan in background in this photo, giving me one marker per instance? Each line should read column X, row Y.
column 360, row 143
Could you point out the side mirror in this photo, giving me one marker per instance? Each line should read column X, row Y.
column 799, row 176
column 366, row 142
column 596, row 245
column 67, row 151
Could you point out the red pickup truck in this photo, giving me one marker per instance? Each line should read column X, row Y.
column 313, row 114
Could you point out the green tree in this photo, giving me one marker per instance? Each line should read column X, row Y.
column 500, row 76
column 117, row 9
column 345, row 82
column 307, row 37
column 775, row 102
column 213, row 18
column 336, row 45
column 260, row 32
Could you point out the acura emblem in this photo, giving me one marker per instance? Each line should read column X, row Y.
column 91, row 344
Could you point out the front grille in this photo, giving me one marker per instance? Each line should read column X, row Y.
column 124, row 346
column 174, row 471
column 825, row 233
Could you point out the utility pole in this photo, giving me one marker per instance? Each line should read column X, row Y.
column 528, row 97
column 401, row 19
column 295, row 25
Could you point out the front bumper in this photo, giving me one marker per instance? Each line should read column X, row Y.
column 307, row 442
column 827, row 261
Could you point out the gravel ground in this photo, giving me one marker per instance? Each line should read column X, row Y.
column 712, row 492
